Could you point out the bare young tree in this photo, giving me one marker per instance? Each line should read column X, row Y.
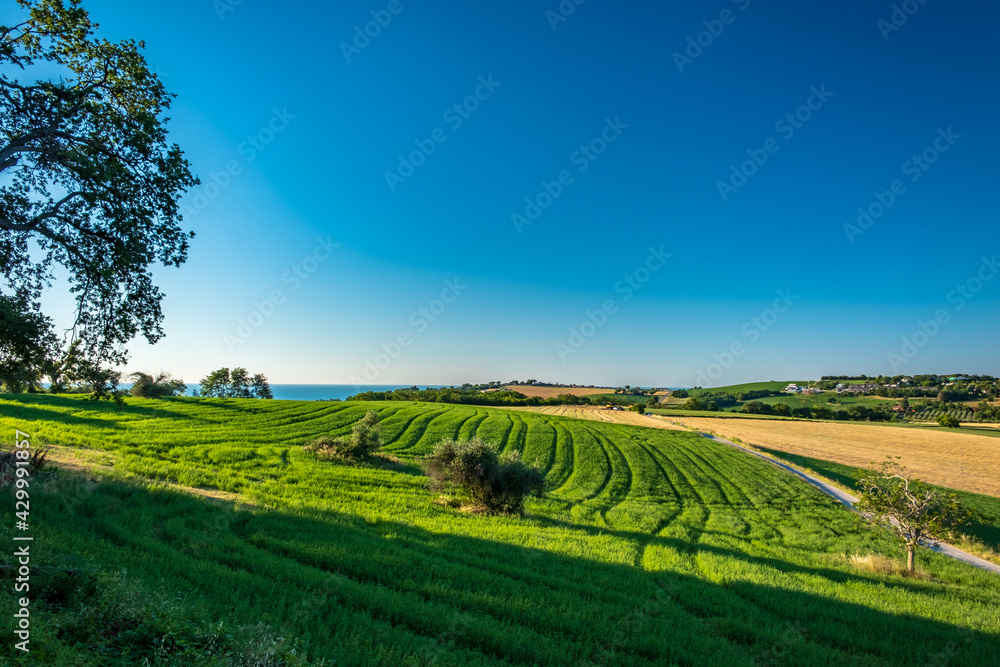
column 919, row 514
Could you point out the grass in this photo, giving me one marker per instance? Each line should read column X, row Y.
column 621, row 399
column 820, row 400
column 986, row 528
column 750, row 386
column 650, row 547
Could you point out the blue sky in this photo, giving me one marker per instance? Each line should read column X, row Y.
column 309, row 133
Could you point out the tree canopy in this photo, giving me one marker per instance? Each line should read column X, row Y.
column 90, row 184
column 237, row 383
column 26, row 345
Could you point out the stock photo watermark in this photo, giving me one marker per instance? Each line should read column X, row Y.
column 777, row 654
column 562, row 13
column 638, row 619
column 223, row 7
column 249, row 149
column 294, row 278
column 594, row 320
column 364, row 34
column 901, row 13
column 752, row 330
column 419, row 321
column 786, row 126
column 581, row 159
column 22, row 551
column 958, row 298
column 696, row 44
column 455, row 116
column 914, row 168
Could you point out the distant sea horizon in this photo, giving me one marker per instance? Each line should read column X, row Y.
column 322, row 392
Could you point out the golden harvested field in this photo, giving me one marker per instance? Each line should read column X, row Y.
column 595, row 413
column 552, row 392
column 956, row 460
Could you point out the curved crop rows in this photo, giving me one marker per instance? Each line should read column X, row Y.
column 648, row 547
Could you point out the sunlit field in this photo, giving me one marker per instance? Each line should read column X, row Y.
column 649, row 547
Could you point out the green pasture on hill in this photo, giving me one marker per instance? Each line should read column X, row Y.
column 649, row 547
column 749, row 386
column 621, row 399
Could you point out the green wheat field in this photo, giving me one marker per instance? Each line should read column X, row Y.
column 649, row 547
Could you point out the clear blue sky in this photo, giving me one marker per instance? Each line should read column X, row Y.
column 521, row 287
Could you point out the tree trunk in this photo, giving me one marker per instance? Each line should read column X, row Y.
column 910, row 552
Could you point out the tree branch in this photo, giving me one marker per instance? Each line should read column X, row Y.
column 33, row 224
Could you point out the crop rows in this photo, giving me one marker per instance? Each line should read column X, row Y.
column 648, row 547
column 931, row 414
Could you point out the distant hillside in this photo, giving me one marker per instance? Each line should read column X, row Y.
column 549, row 392
column 751, row 386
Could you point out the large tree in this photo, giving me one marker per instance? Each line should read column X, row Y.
column 89, row 182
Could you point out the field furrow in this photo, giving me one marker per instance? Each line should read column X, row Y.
column 414, row 432
column 591, row 467
column 495, row 428
column 562, row 468
column 471, row 426
column 539, row 444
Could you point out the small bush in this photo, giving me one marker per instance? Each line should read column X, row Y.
column 145, row 385
column 497, row 482
column 948, row 421
column 365, row 440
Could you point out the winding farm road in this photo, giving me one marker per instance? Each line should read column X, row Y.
column 849, row 500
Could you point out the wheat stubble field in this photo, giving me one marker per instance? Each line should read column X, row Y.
column 600, row 414
column 552, row 392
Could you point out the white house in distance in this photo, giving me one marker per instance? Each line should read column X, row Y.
column 796, row 389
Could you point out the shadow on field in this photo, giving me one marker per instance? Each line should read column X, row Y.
column 26, row 413
column 684, row 546
column 371, row 590
column 82, row 404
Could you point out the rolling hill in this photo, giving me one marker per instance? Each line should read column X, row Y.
column 649, row 547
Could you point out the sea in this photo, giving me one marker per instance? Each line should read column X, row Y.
column 319, row 392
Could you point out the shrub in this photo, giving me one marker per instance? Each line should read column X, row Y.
column 948, row 421
column 757, row 408
column 365, row 440
column 782, row 409
column 148, row 386
column 497, row 482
